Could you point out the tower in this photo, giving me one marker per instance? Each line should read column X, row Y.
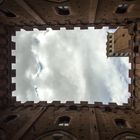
column 118, row 43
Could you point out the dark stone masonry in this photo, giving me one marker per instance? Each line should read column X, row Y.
column 70, row 121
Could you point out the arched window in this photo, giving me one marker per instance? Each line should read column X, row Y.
column 121, row 123
column 63, row 121
column 62, row 10
column 122, row 8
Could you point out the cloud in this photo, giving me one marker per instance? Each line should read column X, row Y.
column 69, row 65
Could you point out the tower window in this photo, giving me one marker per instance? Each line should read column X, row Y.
column 122, row 8
column 123, row 35
column 110, row 36
column 63, row 121
column 62, row 10
column 120, row 123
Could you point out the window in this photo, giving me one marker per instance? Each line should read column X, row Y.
column 123, row 35
column 120, row 123
column 122, row 8
column 62, row 10
column 63, row 121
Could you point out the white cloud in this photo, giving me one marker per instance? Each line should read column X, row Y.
column 69, row 65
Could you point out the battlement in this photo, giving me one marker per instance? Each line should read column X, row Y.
column 85, row 104
column 6, row 72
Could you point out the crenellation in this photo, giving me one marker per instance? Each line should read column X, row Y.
column 42, row 103
column 13, row 73
column 13, row 86
column 13, row 45
column 13, row 59
column 69, row 102
column 56, row 103
column 28, row 103
column 13, row 101
column 130, row 73
column 84, row 102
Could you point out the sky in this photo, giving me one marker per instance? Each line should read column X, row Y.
column 68, row 65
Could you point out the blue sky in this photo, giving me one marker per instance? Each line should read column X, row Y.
column 68, row 65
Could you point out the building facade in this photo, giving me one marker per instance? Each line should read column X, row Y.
column 70, row 121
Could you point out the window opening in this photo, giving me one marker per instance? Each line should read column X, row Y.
column 63, row 121
column 62, row 10
column 121, row 123
column 122, row 8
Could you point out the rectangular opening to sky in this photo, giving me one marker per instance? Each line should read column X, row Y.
column 68, row 65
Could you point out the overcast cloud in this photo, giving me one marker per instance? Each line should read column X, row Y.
column 68, row 65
